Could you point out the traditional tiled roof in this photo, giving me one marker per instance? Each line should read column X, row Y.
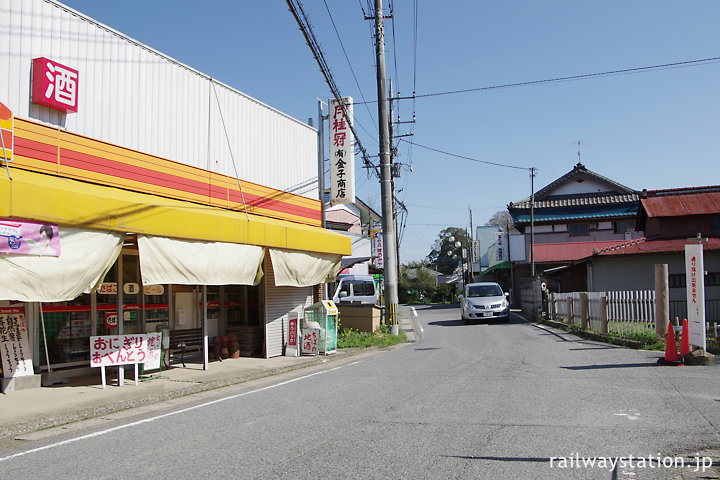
column 588, row 213
column 618, row 194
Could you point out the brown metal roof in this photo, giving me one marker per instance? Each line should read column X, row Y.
column 676, row 205
column 644, row 246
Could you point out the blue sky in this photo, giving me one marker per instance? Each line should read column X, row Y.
column 656, row 129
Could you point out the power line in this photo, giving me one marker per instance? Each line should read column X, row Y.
column 466, row 158
column 688, row 63
column 332, row 20
column 314, row 46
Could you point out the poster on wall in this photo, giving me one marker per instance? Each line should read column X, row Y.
column 29, row 238
column 342, row 152
column 14, row 344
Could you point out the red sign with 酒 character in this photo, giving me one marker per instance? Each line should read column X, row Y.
column 55, row 85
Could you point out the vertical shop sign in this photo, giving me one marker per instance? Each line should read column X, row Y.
column 6, row 133
column 55, row 85
column 501, row 247
column 14, row 344
column 292, row 349
column 695, row 281
column 154, row 351
column 376, row 248
column 342, row 152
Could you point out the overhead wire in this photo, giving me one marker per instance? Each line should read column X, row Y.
column 626, row 71
column 497, row 164
column 332, row 20
column 306, row 29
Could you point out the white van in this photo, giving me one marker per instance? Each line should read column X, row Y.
column 355, row 289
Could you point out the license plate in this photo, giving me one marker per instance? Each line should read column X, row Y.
column 487, row 314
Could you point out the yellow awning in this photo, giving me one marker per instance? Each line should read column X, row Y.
column 36, row 196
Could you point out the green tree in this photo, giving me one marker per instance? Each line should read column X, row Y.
column 445, row 256
column 416, row 282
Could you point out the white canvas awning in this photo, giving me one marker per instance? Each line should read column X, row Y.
column 303, row 269
column 185, row 262
column 85, row 258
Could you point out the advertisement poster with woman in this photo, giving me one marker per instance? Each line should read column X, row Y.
column 29, row 238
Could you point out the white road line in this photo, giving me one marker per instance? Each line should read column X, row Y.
column 158, row 417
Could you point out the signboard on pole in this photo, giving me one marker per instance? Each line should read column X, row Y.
column 695, row 280
column 376, row 248
column 342, row 152
column 501, row 250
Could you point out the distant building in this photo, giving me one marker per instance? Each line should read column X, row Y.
column 671, row 219
column 357, row 221
column 578, row 213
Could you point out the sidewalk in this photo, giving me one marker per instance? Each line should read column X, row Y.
column 25, row 411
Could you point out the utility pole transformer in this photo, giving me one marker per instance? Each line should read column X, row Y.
column 390, row 262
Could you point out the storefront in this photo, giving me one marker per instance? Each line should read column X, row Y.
column 152, row 228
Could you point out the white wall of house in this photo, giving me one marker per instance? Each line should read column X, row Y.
column 345, row 213
column 588, row 185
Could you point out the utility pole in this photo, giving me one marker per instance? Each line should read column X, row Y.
column 512, row 276
column 321, row 178
column 533, row 172
column 321, row 162
column 471, row 250
column 386, row 194
column 391, row 143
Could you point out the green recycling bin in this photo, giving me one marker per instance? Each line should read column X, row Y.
column 325, row 313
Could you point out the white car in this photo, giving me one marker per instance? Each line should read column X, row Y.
column 484, row 301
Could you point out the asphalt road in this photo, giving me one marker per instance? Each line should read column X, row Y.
column 494, row 401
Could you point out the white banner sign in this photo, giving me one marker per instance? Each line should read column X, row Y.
column 695, row 280
column 501, row 247
column 342, row 152
column 109, row 350
column 154, row 351
column 14, row 344
column 376, row 249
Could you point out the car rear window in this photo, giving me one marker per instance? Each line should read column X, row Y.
column 484, row 291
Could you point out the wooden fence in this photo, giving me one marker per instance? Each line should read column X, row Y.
column 622, row 313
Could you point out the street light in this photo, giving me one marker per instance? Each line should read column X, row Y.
column 458, row 245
